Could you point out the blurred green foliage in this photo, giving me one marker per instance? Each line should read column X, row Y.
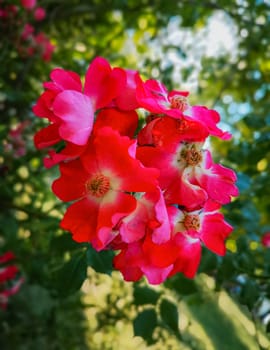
column 223, row 308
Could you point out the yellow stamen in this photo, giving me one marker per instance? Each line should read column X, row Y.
column 98, row 185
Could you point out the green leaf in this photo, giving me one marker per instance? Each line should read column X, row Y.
column 100, row 261
column 169, row 314
column 41, row 302
column 144, row 325
column 63, row 243
column 223, row 322
column 250, row 294
column 145, row 295
column 9, row 227
column 227, row 268
column 181, row 284
column 71, row 275
column 208, row 262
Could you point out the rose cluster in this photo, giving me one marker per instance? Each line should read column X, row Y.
column 9, row 283
column 18, row 27
column 145, row 187
column 15, row 143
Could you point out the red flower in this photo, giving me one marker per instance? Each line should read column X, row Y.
column 181, row 252
column 154, row 97
column 266, row 240
column 149, row 214
column 15, row 143
column 44, row 45
column 187, row 174
column 39, row 13
column 206, row 224
column 8, row 275
column 28, row 4
column 101, row 182
column 71, row 110
column 157, row 203
column 27, row 32
column 166, row 131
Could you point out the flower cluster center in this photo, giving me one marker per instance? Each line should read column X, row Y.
column 192, row 222
column 179, row 102
column 191, row 155
column 98, row 185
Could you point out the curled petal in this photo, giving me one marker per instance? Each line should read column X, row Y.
column 217, row 180
column 76, row 114
column 156, row 275
column 110, row 213
column 134, row 177
column 69, row 152
column 47, row 136
column 64, row 80
column 65, row 187
column 214, row 232
column 81, row 220
column 102, row 83
column 125, row 263
column 189, row 256
column 125, row 123
column 209, row 118
column 127, row 100
column 43, row 107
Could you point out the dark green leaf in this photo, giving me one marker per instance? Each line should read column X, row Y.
column 145, row 295
column 100, row 261
column 208, row 262
column 169, row 314
column 181, row 284
column 250, row 294
column 144, row 325
column 69, row 278
column 63, row 243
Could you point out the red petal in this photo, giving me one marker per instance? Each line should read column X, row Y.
column 159, row 215
column 152, row 95
column 132, row 175
column 71, row 184
column 125, row 123
column 102, row 84
column 182, row 192
column 209, row 118
column 189, row 256
column 70, row 152
column 126, row 99
column 156, row 275
column 129, row 271
column 47, row 136
column 160, row 255
column 81, row 220
column 110, row 213
column 65, row 80
column 8, row 273
column 133, row 227
column 76, row 113
column 217, row 180
column 6, row 257
column 214, row 232
column 43, row 106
